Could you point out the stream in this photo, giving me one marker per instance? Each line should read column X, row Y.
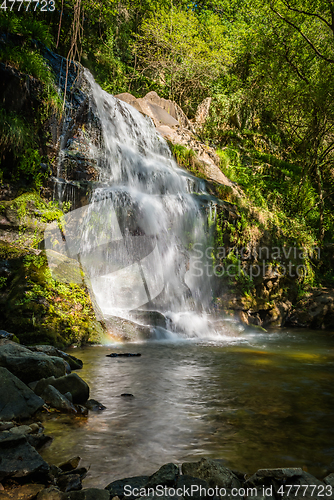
column 252, row 399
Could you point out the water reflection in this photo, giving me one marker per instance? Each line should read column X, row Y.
column 266, row 401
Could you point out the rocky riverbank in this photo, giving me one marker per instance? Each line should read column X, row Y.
column 39, row 380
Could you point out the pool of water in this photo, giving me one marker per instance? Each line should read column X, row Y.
column 254, row 400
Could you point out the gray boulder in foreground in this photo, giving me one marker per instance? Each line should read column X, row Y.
column 29, row 366
column 16, row 399
column 213, row 472
column 18, row 458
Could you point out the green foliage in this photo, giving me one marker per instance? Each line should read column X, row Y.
column 29, row 167
column 182, row 51
column 14, row 130
column 32, row 204
column 41, row 309
column 186, row 158
column 3, row 282
column 27, row 26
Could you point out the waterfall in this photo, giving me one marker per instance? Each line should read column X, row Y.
column 134, row 239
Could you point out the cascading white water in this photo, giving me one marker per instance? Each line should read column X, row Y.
column 134, row 239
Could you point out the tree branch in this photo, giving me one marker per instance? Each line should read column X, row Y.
column 311, row 14
column 303, row 35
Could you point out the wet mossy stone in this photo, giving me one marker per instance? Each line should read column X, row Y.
column 16, row 399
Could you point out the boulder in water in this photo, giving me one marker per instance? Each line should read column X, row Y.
column 94, row 405
column 186, row 482
column 75, row 385
column 329, row 479
column 57, row 400
column 69, row 482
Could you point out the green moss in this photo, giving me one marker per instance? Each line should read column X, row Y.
column 35, row 306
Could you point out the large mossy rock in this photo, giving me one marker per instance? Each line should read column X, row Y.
column 16, row 399
column 34, row 305
column 29, row 366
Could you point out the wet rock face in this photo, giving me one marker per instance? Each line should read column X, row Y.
column 77, row 161
column 16, row 399
column 29, row 366
column 74, row 138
